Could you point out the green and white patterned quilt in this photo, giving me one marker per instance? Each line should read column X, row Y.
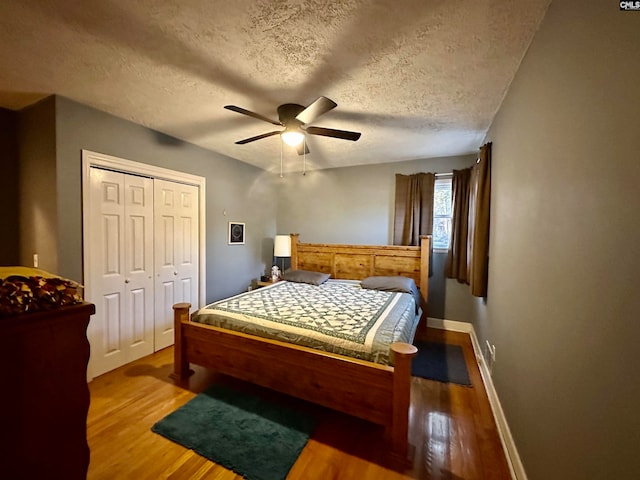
column 338, row 316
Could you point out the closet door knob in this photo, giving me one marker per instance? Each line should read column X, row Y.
column 175, row 273
column 126, row 280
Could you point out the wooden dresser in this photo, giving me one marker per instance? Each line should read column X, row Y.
column 45, row 397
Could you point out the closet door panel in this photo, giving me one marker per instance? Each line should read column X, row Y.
column 188, row 268
column 139, row 265
column 176, row 252
column 166, row 270
column 121, row 272
column 105, row 331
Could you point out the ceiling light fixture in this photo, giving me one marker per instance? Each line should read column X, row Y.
column 292, row 138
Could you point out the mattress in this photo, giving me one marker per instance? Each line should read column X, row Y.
column 338, row 316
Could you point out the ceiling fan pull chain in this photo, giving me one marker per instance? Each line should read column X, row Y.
column 304, row 157
column 281, row 159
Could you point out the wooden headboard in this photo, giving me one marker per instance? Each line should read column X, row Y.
column 357, row 262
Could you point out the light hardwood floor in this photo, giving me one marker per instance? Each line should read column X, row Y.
column 451, row 428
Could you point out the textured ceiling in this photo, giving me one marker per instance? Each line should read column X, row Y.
column 419, row 78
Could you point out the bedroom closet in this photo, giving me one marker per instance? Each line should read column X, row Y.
column 142, row 255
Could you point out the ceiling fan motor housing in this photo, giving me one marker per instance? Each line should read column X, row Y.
column 287, row 114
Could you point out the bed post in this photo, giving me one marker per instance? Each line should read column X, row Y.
column 403, row 354
column 425, row 249
column 294, row 250
column 180, row 364
column 425, row 257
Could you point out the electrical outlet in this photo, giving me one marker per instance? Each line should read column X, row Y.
column 35, row 260
column 490, row 355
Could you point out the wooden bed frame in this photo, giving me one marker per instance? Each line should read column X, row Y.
column 373, row 392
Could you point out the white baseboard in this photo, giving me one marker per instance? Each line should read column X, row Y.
column 451, row 325
column 513, row 458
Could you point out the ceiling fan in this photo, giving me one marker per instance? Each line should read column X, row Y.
column 296, row 119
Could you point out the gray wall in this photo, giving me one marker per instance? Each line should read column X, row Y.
column 355, row 205
column 563, row 307
column 232, row 187
column 38, row 198
column 9, row 188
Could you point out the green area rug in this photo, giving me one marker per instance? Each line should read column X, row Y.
column 244, row 433
column 442, row 362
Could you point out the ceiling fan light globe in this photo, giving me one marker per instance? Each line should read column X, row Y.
column 292, row 138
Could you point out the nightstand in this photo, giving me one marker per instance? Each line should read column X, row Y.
column 260, row 283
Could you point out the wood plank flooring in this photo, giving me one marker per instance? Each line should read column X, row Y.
column 451, row 428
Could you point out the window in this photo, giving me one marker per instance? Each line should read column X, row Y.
column 442, row 213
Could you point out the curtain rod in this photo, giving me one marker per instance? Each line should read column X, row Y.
column 446, row 174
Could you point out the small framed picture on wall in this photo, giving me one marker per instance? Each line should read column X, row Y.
column 236, row 233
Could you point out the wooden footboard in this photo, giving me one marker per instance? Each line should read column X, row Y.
column 377, row 393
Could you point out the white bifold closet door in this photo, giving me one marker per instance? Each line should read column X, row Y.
column 121, row 256
column 176, row 253
column 143, row 258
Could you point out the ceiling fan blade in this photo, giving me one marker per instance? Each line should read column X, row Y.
column 243, row 111
column 303, row 148
column 330, row 132
column 253, row 139
column 319, row 107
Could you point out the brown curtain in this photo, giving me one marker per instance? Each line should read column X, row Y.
column 414, row 208
column 479, row 275
column 468, row 256
column 457, row 256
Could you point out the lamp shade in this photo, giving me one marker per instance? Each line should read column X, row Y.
column 282, row 246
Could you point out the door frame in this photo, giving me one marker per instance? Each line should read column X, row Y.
column 101, row 160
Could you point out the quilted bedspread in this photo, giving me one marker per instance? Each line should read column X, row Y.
column 25, row 290
column 337, row 316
